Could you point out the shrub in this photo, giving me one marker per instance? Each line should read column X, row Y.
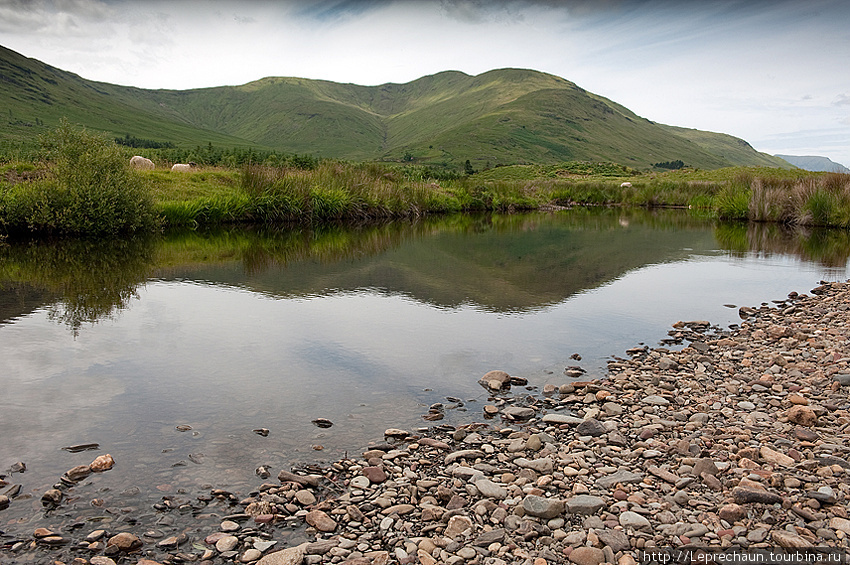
column 89, row 189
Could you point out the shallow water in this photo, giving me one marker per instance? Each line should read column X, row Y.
column 119, row 343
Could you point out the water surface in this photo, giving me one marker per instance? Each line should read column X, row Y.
column 118, row 343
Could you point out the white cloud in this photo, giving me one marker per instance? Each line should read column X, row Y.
column 749, row 68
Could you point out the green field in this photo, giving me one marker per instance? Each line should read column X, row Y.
column 82, row 184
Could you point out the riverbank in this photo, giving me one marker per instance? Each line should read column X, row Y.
column 80, row 191
column 739, row 439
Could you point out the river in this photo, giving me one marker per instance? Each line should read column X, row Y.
column 222, row 333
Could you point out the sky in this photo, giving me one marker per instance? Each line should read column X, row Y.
column 774, row 73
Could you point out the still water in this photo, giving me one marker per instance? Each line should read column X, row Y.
column 119, row 343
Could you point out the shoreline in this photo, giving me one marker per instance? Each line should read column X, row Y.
column 740, row 439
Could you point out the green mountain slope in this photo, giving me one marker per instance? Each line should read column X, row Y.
column 733, row 149
column 505, row 116
column 35, row 96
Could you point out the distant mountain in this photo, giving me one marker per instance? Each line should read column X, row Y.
column 815, row 163
column 506, row 116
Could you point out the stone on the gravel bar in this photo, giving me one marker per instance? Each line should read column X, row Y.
column 587, row 556
column 802, row 415
column 620, row 476
column 591, row 427
column 518, row 413
column 774, row 457
column 633, row 520
column 288, row 556
column 490, row 489
column 125, row 541
column 585, row 504
column 495, row 380
column 307, row 481
column 744, row 495
column 561, row 419
column 227, row 543
column 321, row 521
column 542, row 507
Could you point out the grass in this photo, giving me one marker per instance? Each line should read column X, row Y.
column 81, row 184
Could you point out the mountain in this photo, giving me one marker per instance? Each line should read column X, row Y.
column 815, row 163
column 504, row 116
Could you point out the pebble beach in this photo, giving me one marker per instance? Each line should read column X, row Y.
column 723, row 439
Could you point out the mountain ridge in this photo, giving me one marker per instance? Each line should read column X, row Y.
column 815, row 163
column 502, row 116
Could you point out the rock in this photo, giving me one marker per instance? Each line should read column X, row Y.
column 591, row 427
column 802, row 415
column 102, row 463
column 518, row 413
column 490, row 489
column 542, row 465
column 305, row 497
column 396, row 433
column 376, row 475
column 227, row 543
column 288, row 556
column 305, row 481
column 776, row 458
column 495, row 380
column 585, row 504
column 534, row 443
column 541, row 507
column 587, row 556
column 744, row 495
column 656, row 400
column 620, row 476
column 667, row 364
column 706, row 466
column 103, row 560
column 250, row 555
column 487, row 538
column 561, row 419
column 463, row 454
column 52, row 497
column 457, row 526
column 321, row 521
column 841, row 524
column 732, row 512
column 125, row 541
column 615, row 539
column 78, row 473
column 633, row 520
column 789, row 540
column 4, row 502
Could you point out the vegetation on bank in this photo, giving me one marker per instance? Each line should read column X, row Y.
column 81, row 184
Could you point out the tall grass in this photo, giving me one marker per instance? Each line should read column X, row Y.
column 88, row 189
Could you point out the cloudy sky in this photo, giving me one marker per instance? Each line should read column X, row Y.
column 772, row 72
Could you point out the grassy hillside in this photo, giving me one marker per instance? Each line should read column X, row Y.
column 733, row 149
column 35, row 96
column 502, row 117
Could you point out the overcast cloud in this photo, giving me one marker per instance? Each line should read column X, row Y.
column 772, row 72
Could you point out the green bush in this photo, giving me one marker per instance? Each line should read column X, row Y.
column 89, row 189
